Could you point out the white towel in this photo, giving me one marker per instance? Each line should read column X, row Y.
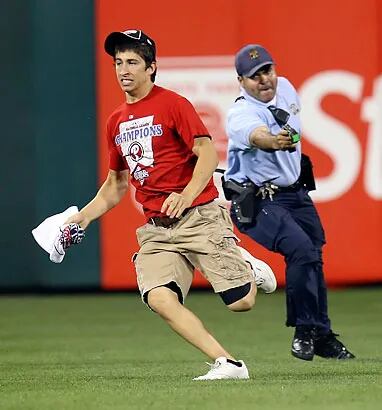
column 48, row 233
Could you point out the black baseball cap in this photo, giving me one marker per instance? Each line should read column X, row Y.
column 118, row 37
column 251, row 58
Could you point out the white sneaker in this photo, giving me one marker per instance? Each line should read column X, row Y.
column 264, row 276
column 222, row 369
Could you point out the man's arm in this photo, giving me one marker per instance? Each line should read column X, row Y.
column 108, row 196
column 205, row 166
column 261, row 138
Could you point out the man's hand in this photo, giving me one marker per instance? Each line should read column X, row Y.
column 284, row 141
column 207, row 161
column 78, row 218
column 70, row 234
column 175, row 204
column 263, row 139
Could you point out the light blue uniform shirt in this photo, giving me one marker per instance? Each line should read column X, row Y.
column 248, row 162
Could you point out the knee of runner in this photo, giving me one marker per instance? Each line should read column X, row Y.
column 161, row 300
column 243, row 305
column 239, row 299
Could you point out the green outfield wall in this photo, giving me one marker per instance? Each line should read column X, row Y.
column 47, row 108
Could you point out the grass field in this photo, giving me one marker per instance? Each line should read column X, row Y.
column 108, row 351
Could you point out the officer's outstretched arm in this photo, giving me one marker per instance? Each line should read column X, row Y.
column 261, row 138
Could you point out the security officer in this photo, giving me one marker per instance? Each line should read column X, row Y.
column 270, row 200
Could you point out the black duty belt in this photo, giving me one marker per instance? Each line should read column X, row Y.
column 290, row 188
column 269, row 189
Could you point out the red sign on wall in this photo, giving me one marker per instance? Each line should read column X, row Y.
column 334, row 60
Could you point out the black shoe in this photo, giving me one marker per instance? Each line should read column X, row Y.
column 303, row 343
column 329, row 347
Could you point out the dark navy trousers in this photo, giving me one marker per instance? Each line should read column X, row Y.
column 290, row 225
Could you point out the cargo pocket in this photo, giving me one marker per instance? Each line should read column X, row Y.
column 226, row 254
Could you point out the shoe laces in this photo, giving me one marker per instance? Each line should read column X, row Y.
column 331, row 338
column 213, row 366
column 259, row 279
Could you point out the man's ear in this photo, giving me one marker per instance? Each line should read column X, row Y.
column 240, row 79
column 153, row 67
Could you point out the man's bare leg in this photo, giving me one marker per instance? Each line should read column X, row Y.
column 165, row 302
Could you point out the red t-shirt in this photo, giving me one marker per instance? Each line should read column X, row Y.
column 153, row 138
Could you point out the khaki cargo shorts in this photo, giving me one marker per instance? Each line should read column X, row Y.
column 202, row 239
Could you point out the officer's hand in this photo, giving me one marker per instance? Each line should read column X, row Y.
column 284, row 141
column 175, row 204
